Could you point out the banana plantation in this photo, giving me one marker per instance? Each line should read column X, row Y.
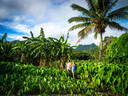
column 39, row 51
column 39, row 66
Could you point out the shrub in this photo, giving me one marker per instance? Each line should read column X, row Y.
column 118, row 49
column 110, row 79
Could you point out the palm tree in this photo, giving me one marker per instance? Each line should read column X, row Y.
column 97, row 17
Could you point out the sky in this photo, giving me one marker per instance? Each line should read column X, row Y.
column 19, row 17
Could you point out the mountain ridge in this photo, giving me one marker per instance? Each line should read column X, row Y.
column 86, row 47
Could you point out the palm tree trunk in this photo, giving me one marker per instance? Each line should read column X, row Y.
column 101, row 47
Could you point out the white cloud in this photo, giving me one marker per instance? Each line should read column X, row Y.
column 56, row 29
column 52, row 15
column 51, row 29
column 15, row 37
column 22, row 28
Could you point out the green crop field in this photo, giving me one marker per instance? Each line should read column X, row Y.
column 91, row 79
column 51, row 61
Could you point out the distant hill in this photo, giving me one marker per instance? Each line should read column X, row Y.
column 15, row 41
column 86, row 47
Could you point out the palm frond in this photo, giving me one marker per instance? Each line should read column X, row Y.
column 79, row 19
column 118, row 15
column 91, row 4
column 80, row 9
column 81, row 35
column 109, row 6
column 123, row 9
column 117, row 26
column 78, row 26
column 84, row 32
column 98, row 4
column 95, row 35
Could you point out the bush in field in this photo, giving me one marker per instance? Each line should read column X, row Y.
column 109, row 79
column 118, row 49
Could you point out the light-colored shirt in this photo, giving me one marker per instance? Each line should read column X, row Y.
column 68, row 65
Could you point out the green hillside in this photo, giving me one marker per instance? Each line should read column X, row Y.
column 86, row 47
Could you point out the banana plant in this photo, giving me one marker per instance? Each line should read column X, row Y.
column 3, row 38
column 64, row 50
column 29, row 39
column 21, row 48
column 39, row 47
column 5, row 49
column 54, row 49
column 30, row 47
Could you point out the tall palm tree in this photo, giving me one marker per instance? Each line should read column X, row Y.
column 97, row 17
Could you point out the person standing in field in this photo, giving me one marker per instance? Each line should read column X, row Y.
column 68, row 66
column 73, row 69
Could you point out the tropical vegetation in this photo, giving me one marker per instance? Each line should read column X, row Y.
column 36, row 65
column 97, row 17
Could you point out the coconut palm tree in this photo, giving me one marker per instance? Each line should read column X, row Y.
column 97, row 17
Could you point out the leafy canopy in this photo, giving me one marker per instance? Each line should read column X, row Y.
column 97, row 17
column 119, row 47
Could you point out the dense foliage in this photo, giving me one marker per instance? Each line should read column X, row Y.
column 91, row 79
column 111, row 79
column 50, row 55
column 36, row 50
column 5, row 49
column 20, row 79
column 118, row 49
column 106, row 42
column 96, row 18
